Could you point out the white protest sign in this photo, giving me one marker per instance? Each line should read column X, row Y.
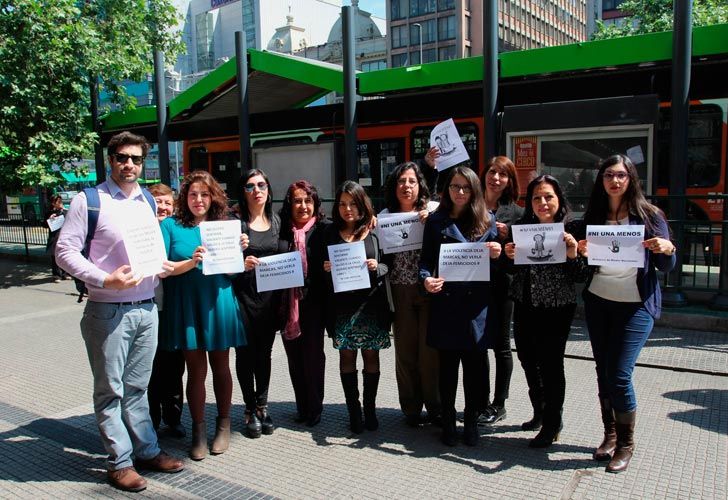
column 447, row 139
column 348, row 266
column 277, row 272
column 224, row 254
column 539, row 243
column 464, row 262
column 144, row 244
column 56, row 223
column 399, row 232
column 615, row 245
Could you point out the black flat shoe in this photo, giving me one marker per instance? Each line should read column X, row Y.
column 492, row 415
column 313, row 421
column 176, row 430
column 266, row 422
column 253, row 427
column 413, row 421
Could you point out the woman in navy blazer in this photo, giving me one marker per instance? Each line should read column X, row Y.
column 458, row 310
column 622, row 303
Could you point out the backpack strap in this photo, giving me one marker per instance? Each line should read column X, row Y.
column 93, row 207
column 150, row 200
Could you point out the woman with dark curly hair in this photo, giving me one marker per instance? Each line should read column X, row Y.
column 622, row 303
column 302, row 222
column 200, row 315
column 416, row 362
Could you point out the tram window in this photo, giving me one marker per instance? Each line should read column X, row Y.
column 303, row 139
column 704, row 146
column 574, row 162
column 420, row 140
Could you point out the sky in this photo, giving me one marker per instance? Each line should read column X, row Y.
column 376, row 7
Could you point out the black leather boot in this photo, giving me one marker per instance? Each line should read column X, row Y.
column 449, row 433
column 371, row 386
column 470, row 433
column 606, row 449
column 350, row 383
column 625, row 441
column 537, row 420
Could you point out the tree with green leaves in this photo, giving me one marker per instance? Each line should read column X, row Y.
column 650, row 16
column 49, row 51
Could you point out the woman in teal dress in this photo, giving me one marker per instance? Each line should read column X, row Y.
column 200, row 315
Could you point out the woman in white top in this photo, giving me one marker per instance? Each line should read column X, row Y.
column 621, row 303
column 416, row 363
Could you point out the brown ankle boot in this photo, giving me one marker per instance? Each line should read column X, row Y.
column 198, row 450
column 221, row 442
column 605, row 450
column 625, row 441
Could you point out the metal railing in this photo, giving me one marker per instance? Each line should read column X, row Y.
column 17, row 230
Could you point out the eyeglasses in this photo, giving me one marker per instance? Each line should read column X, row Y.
column 620, row 176
column 262, row 186
column 122, row 158
column 460, row 187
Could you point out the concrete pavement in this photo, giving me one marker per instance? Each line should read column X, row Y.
column 49, row 445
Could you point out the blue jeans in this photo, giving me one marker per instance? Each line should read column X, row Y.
column 121, row 342
column 617, row 331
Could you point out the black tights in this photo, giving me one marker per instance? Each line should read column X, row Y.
column 252, row 366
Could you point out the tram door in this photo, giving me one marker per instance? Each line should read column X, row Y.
column 377, row 159
column 225, row 169
column 568, row 139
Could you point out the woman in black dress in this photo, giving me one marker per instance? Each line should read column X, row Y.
column 358, row 319
column 253, row 361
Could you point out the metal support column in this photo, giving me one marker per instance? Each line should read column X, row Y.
column 350, row 153
column 241, row 55
column 96, row 127
column 681, row 58
column 490, row 78
column 161, row 97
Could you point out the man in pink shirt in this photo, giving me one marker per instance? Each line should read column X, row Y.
column 119, row 324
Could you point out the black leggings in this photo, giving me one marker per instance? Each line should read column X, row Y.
column 472, row 362
column 252, row 364
column 503, row 356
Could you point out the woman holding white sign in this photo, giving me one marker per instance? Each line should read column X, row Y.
column 622, row 303
column 253, row 360
column 416, row 362
column 357, row 319
column 302, row 222
column 500, row 188
column 458, row 310
column 200, row 314
column 545, row 302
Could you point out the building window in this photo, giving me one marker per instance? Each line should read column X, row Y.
column 428, row 32
column 399, row 60
column 398, row 9
column 428, row 56
column 205, row 42
column 445, row 4
column 399, row 36
column 447, row 53
column 611, row 4
column 467, row 28
column 420, row 7
column 374, row 65
column 446, row 28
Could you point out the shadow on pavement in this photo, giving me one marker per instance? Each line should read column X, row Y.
column 495, row 452
column 19, row 273
column 48, row 450
column 708, row 414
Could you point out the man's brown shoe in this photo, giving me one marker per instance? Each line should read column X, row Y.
column 161, row 463
column 127, row 479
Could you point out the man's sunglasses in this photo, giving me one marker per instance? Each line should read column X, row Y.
column 122, row 158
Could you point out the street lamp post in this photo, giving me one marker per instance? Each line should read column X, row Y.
column 419, row 26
